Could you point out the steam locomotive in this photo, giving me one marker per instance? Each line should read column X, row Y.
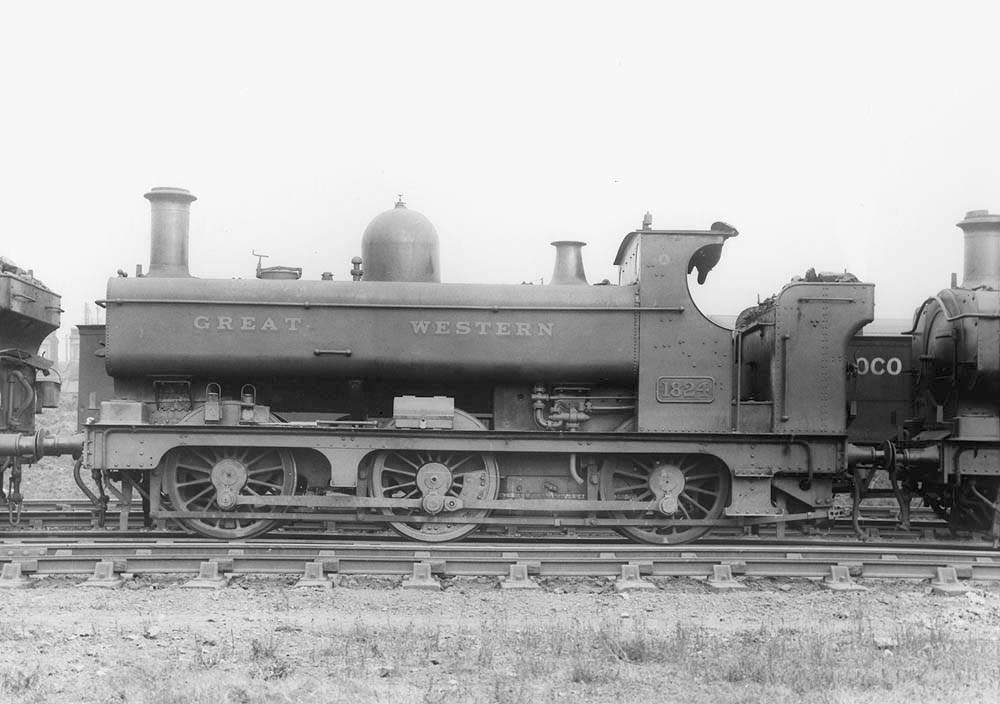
column 234, row 406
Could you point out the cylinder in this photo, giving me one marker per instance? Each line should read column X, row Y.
column 171, row 212
column 569, row 264
column 982, row 249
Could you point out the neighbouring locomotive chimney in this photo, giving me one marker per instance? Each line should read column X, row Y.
column 569, row 264
column 168, row 252
column 982, row 249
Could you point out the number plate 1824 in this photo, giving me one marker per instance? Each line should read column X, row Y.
column 685, row 389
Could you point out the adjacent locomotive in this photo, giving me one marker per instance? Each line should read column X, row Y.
column 237, row 405
column 950, row 451
column 29, row 312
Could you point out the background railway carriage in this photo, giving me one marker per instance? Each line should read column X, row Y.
column 234, row 405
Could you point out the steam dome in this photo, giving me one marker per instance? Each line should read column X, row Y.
column 401, row 245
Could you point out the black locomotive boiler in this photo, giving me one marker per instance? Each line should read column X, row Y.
column 948, row 452
column 236, row 405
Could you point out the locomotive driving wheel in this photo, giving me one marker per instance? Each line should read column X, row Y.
column 210, row 479
column 685, row 487
column 441, row 481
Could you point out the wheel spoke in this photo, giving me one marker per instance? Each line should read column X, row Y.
column 637, row 462
column 454, row 467
column 260, row 457
column 693, row 477
column 467, row 472
column 197, row 496
column 258, row 482
column 680, row 505
column 262, row 470
column 632, row 485
column 697, row 490
column 191, row 468
column 633, row 475
column 194, row 482
column 210, row 461
column 695, row 505
column 403, row 457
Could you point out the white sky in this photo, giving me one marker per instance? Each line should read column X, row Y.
column 842, row 135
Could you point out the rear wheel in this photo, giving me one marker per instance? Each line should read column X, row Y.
column 686, row 487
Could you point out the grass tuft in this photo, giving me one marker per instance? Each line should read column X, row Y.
column 265, row 662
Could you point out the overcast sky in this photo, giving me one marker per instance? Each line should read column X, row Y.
column 837, row 135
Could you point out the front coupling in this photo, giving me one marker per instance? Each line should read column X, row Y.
column 33, row 447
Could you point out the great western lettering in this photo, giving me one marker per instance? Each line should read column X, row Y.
column 247, row 323
column 482, row 327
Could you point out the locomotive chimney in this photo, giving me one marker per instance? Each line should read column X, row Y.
column 569, row 263
column 168, row 253
column 982, row 249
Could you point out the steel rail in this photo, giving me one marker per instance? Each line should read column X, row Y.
column 80, row 516
column 272, row 557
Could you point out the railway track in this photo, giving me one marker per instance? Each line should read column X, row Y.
column 320, row 562
column 63, row 538
column 77, row 517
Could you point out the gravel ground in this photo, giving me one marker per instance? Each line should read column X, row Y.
column 576, row 640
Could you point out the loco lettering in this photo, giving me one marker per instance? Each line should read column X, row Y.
column 481, row 327
column 878, row 366
column 246, row 323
